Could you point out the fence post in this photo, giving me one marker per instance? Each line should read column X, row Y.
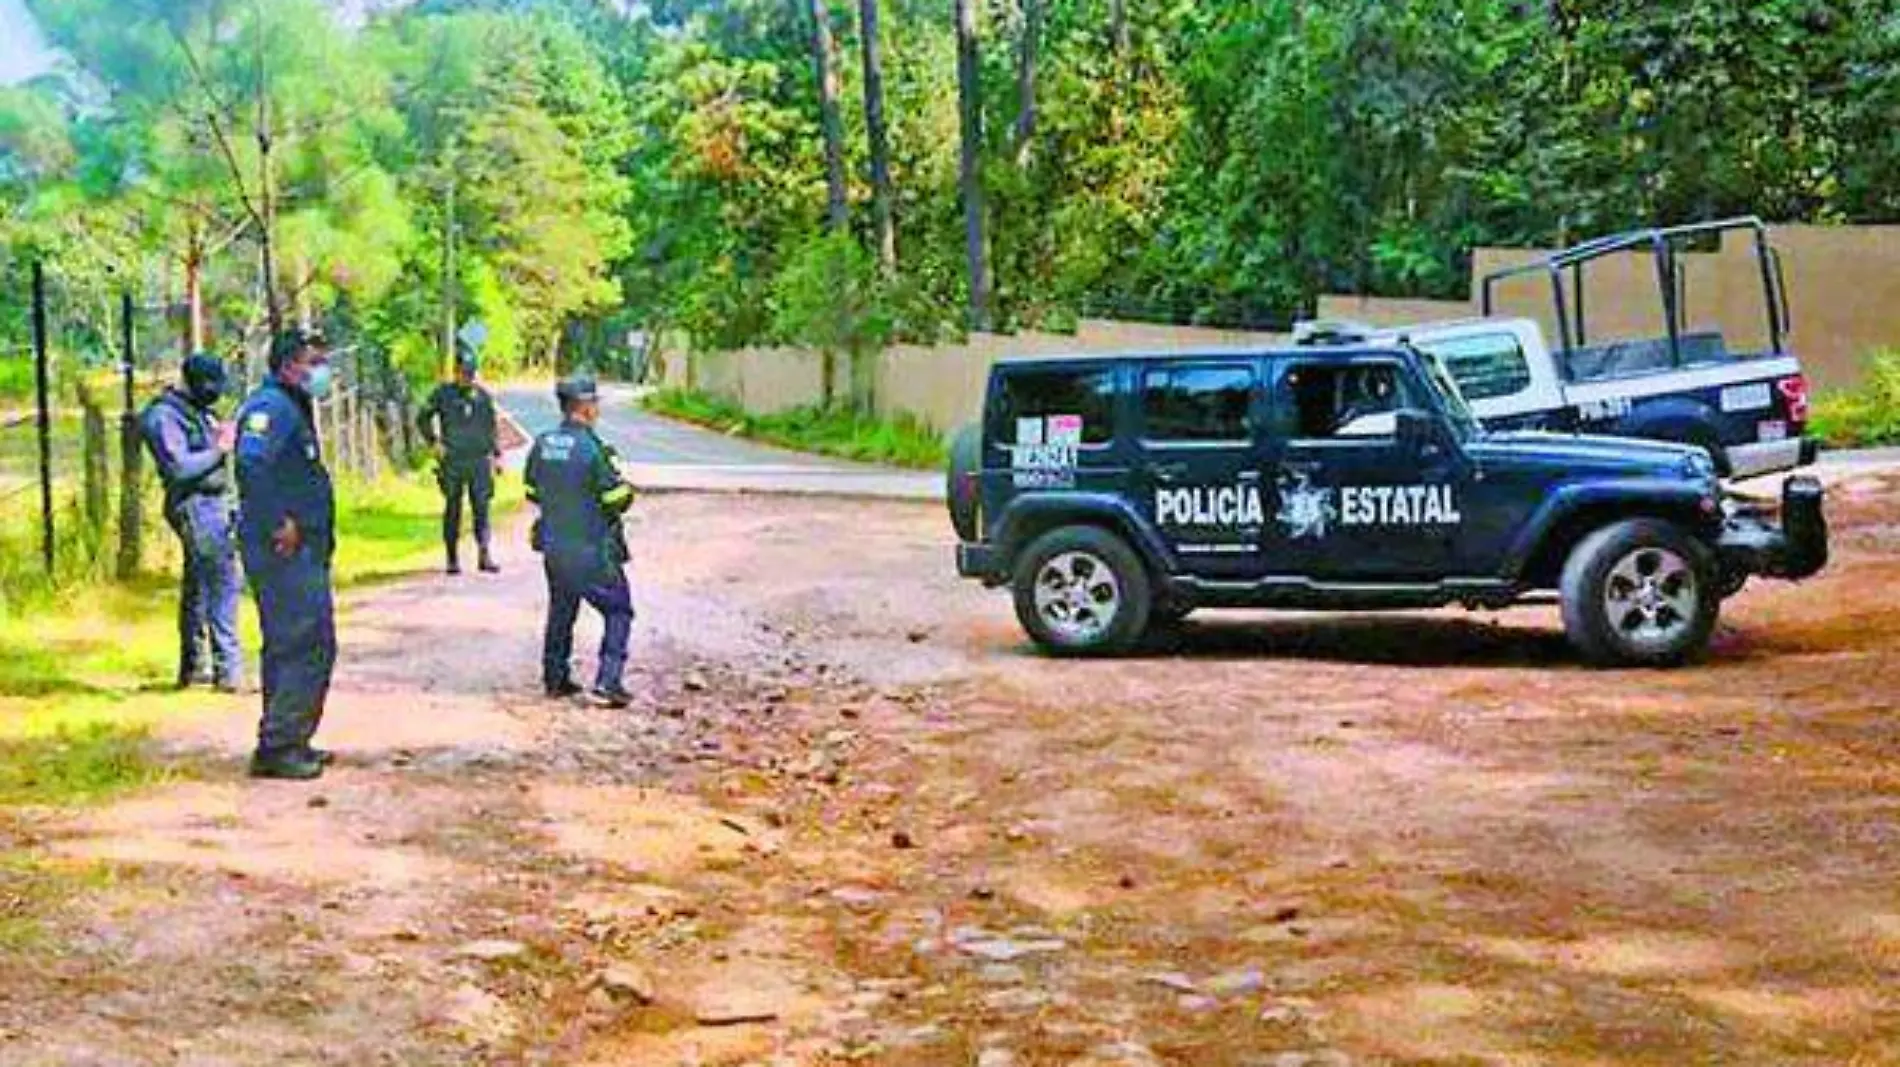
column 45, row 412
column 97, row 469
column 131, row 518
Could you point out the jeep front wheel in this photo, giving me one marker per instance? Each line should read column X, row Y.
column 1081, row 591
column 1640, row 593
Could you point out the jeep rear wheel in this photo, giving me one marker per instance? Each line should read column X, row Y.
column 1081, row 590
column 1642, row 593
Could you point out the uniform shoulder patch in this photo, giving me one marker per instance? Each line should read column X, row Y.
column 257, row 422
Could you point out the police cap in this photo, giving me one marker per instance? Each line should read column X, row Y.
column 576, row 388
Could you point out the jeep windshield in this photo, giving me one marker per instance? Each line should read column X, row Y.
column 1450, row 398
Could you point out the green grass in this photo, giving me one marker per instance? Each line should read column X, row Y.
column 75, row 765
column 901, row 442
column 86, row 663
column 1866, row 415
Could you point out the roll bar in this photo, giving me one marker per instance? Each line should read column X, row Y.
column 1662, row 241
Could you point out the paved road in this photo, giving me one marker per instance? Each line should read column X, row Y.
column 661, row 454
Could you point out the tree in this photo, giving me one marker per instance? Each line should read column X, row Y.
column 878, row 138
column 824, row 63
column 969, row 96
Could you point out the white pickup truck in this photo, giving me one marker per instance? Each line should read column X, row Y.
column 1750, row 410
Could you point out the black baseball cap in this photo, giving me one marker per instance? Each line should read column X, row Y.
column 576, row 388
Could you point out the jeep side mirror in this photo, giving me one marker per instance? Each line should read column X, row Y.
column 1419, row 431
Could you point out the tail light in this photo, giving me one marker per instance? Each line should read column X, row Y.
column 1794, row 391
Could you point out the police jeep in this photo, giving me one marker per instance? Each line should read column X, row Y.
column 1678, row 371
column 1114, row 493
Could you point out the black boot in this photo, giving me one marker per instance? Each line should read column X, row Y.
column 455, row 564
column 487, row 564
column 292, row 765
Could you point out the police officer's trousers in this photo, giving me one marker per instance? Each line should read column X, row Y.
column 208, row 593
column 605, row 589
column 474, row 479
column 298, row 617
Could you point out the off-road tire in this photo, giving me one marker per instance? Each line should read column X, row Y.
column 1121, row 629
column 966, row 457
column 1603, row 565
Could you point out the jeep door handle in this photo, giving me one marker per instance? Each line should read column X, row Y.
column 1169, row 472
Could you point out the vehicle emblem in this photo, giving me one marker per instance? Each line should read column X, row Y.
column 1306, row 510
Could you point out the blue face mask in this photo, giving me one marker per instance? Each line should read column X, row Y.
column 317, row 381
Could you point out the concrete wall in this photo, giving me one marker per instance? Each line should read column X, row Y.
column 1843, row 282
column 941, row 384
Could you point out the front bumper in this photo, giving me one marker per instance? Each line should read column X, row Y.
column 1754, row 542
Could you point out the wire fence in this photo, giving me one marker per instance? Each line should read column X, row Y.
column 78, row 494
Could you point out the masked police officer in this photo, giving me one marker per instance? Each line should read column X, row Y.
column 467, row 452
column 571, row 478
column 286, row 527
column 190, row 449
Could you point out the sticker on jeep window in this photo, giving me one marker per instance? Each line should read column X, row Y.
column 1045, row 453
column 1308, row 510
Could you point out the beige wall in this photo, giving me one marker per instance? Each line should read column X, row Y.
column 1844, row 284
column 941, row 384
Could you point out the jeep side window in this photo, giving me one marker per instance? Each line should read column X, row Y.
column 1031, row 398
column 1344, row 401
column 1204, row 403
column 1485, row 366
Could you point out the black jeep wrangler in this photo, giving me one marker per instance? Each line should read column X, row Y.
column 1113, row 492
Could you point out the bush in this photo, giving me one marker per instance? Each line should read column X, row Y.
column 1866, row 415
column 901, row 442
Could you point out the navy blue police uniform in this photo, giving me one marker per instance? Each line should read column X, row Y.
column 462, row 418
column 182, row 434
column 281, row 475
column 582, row 499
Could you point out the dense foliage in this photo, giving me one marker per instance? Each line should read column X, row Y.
column 570, row 169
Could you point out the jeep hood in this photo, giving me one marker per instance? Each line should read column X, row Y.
column 1579, row 452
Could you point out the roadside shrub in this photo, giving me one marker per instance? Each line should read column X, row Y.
column 904, row 441
column 1866, row 415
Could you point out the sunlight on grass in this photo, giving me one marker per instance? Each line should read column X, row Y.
column 76, row 765
column 86, row 669
column 901, row 442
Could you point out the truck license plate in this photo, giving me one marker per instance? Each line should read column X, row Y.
column 1746, row 397
column 1772, row 430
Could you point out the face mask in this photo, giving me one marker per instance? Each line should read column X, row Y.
column 317, row 380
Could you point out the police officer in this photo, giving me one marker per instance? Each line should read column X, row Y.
column 286, row 527
column 467, row 453
column 191, row 449
column 571, row 478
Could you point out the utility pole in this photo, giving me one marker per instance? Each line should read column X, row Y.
column 448, row 274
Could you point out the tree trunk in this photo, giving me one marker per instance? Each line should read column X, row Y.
column 970, row 108
column 267, row 196
column 824, row 60
column 448, row 277
column 1118, row 26
column 194, row 293
column 879, row 139
column 1026, row 80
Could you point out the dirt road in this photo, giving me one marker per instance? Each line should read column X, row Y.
column 853, row 819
